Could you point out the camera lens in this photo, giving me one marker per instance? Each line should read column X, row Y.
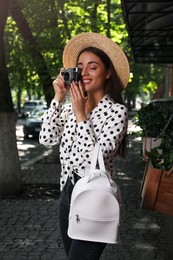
column 66, row 76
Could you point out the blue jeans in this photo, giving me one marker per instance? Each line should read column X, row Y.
column 75, row 249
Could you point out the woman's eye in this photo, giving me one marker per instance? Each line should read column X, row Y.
column 93, row 68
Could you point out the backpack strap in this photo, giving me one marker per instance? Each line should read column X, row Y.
column 97, row 157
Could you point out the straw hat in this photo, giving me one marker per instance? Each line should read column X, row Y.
column 113, row 51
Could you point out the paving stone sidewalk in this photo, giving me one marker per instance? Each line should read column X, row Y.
column 29, row 222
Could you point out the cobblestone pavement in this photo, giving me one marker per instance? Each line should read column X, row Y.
column 29, row 223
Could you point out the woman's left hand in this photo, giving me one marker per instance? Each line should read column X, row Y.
column 78, row 101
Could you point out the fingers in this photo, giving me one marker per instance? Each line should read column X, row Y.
column 76, row 91
column 73, row 90
column 58, row 82
column 78, row 101
column 59, row 88
column 81, row 89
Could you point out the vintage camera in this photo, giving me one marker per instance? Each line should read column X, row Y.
column 71, row 74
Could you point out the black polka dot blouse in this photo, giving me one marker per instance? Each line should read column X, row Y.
column 105, row 124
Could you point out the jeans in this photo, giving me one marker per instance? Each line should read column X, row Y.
column 75, row 249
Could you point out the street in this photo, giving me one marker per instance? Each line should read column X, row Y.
column 29, row 149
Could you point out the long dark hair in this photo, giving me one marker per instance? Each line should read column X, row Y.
column 113, row 87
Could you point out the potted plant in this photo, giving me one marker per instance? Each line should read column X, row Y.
column 162, row 156
column 157, row 186
column 156, row 123
column 153, row 122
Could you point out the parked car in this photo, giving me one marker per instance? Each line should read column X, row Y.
column 30, row 105
column 32, row 124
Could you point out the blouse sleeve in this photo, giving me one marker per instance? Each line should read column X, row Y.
column 53, row 124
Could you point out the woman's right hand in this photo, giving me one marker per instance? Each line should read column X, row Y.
column 60, row 88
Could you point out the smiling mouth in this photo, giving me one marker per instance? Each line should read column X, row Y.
column 86, row 81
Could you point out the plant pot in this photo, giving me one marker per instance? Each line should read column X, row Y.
column 157, row 190
column 148, row 144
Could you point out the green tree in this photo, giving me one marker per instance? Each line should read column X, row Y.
column 33, row 48
column 51, row 23
column 145, row 81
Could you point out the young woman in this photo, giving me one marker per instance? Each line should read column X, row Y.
column 96, row 114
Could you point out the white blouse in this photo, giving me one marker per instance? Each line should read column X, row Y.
column 105, row 124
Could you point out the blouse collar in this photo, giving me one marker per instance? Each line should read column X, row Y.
column 104, row 104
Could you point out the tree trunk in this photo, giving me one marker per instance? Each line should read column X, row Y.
column 108, row 33
column 94, row 18
column 5, row 96
column 19, row 99
column 10, row 173
column 32, row 45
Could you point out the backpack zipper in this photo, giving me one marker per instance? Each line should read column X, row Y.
column 77, row 218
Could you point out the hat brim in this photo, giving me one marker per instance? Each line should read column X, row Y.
column 89, row 39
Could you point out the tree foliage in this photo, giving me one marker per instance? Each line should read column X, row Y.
column 36, row 36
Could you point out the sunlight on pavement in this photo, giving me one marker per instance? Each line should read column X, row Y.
column 123, row 176
column 22, row 146
column 144, row 246
column 132, row 127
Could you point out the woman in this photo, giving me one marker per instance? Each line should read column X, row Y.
column 96, row 114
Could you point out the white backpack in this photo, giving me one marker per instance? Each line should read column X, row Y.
column 95, row 205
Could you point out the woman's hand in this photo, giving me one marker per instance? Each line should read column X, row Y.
column 59, row 88
column 78, row 101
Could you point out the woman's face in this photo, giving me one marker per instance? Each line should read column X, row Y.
column 94, row 72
